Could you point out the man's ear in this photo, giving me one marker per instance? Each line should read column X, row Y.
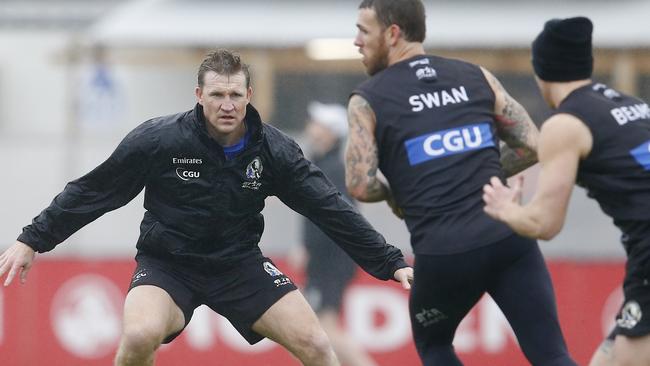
column 393, row 33
column 198, row 92
column 249, row 93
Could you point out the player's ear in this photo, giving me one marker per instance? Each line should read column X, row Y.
column 199, row 94
column 393, row 34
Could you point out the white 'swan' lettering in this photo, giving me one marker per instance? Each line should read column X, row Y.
column 438, row 99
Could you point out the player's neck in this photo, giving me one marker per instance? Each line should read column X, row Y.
column 228, row 139
column 404, row 51
column 560, row 90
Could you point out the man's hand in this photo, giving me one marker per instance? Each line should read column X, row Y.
column 499, row 199
column 16, row 259
column 405, row 277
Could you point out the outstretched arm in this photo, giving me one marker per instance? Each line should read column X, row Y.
column 109, row 186
column 515, row 128
column 564, row 141
column 17, row 259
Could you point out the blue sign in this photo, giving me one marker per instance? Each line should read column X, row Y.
column 449, row 142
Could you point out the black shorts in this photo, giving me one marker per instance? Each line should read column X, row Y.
column 241, row 294
column 633, row 319
column 327, row 278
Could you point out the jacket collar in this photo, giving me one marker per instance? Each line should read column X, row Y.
column 253, row 122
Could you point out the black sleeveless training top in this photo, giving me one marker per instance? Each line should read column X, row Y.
column 617, row 171
column 437, row 147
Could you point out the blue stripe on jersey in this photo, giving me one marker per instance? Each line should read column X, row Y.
column 449, row 142
column 642, row 154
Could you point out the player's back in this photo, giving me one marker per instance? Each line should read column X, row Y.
column 617, row 170
column 437, row 147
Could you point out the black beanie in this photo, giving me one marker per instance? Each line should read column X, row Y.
column 562, row 51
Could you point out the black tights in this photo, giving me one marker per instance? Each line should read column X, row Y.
column 513, row 272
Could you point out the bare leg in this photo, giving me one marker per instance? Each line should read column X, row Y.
column 150, row 315
column 629, row 351
column 347, row 349
column 293, row 324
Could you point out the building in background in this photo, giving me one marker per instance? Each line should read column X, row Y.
column 149, row 49
column 300, row 50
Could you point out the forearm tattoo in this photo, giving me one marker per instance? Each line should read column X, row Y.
column 361, row 158
column 519, row 133
column 516, row 160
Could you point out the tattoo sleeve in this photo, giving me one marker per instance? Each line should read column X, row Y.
column 361, row 157
column 515, row 128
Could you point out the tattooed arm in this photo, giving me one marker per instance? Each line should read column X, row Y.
column 361, row 158
column 515, row 128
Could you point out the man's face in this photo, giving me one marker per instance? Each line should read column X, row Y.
column 371, row 42
column 224, row 99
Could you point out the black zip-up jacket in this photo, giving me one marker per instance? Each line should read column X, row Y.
column 203, row 210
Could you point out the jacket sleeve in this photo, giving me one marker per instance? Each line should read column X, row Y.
column 306, row 190
column 107, row 187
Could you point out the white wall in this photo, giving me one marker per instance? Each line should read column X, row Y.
column 32, row 81
column 38, row 91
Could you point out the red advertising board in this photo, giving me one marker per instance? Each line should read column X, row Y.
column 69, row 313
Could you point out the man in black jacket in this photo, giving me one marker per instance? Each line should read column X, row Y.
column 206, row 173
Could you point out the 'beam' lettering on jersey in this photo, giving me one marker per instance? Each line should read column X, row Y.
column 642, row 154
column 631, row 113
column 438, row 99
column 448, row 142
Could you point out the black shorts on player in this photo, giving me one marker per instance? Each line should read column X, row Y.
column 633, row 318
column 240, row 293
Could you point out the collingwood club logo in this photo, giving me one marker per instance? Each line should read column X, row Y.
column 631, row 315
column 253, row 173
column 271, row 269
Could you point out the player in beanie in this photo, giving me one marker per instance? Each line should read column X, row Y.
column 598, row 138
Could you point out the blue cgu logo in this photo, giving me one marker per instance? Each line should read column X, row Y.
column 642, row 154
column 448, row 142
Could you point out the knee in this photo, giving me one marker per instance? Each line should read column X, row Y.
column 314, row 346
column 141, row 339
